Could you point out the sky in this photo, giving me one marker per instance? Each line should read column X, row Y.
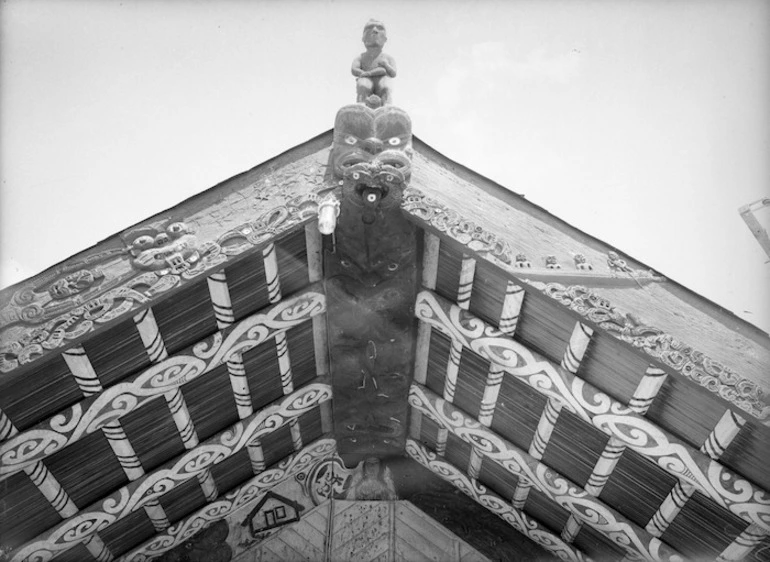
column 643, row 123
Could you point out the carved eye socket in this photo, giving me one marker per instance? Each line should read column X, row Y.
column 392, row 266
column 144, row 241
column 389, row 177
column 176, row 228
column 351, row 140
column 162, row 239
column 394, row 141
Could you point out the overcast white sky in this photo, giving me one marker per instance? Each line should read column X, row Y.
column 645, row 124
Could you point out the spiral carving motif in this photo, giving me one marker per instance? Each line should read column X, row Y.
column 522, row 523
column 239, row 498
column 710, row 477
column 116, row 401
column 133, row 496
column 566, row 494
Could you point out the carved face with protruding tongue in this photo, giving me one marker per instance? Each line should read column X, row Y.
column 372, row 150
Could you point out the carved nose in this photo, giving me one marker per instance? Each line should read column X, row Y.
column 373, row 145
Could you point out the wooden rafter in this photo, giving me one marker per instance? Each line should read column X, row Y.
column 636, row 541
column 728, row 489
column 684, row 359
column 238, row 498
column 93, row 413
column 117, row 505
column 494, row 503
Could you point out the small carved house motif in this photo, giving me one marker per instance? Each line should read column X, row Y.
column 272, row 511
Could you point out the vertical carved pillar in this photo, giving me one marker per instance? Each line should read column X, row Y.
column 715, row 444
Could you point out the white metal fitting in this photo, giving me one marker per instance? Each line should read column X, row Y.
column 328, row 211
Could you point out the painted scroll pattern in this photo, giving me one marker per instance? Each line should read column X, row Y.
column 453, row 224
column 518, row 520
column 240, row 498
column 639, row 544
column 118, row 400
column 693, row 364
column 59, row 307
column 711, row 374
column 725, row 487
column 149, row 488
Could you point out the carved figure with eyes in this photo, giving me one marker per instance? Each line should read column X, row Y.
column 376, row 139
column 173, row 248
column 373, row 69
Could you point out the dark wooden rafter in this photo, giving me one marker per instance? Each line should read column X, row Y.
column 236, row 499
column 433, row 215
column 81, row 526
column 523, row 523
column 636, row 541
column 118, row 281
column 726, row 488
column 116, row 401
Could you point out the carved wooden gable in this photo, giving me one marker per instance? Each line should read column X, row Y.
column 176, row 373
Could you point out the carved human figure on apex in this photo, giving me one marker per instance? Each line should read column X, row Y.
column 373, row 69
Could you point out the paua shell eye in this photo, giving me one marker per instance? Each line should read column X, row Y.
column 344, row 263
column 394, row 141
column 351, row 140
column 392, row 266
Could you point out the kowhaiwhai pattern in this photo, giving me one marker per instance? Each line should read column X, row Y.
column 240, row 498
column 724, row 486
column 518, row 520
column 150, row 487
column 54, row 309
column 118, row 400
column 639, row 544
column 693, row 364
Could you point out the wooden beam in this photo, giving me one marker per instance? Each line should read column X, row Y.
column 494, row 503
column 95, row 412
column 464, row 290
column 728, row 489
column 640, row 402
column 80, row 365
column 120, row 503
column 749, row 395
column 726, row 429
column 240, row 498
column 314, row 246
column 587, row 509
column 273, row 279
